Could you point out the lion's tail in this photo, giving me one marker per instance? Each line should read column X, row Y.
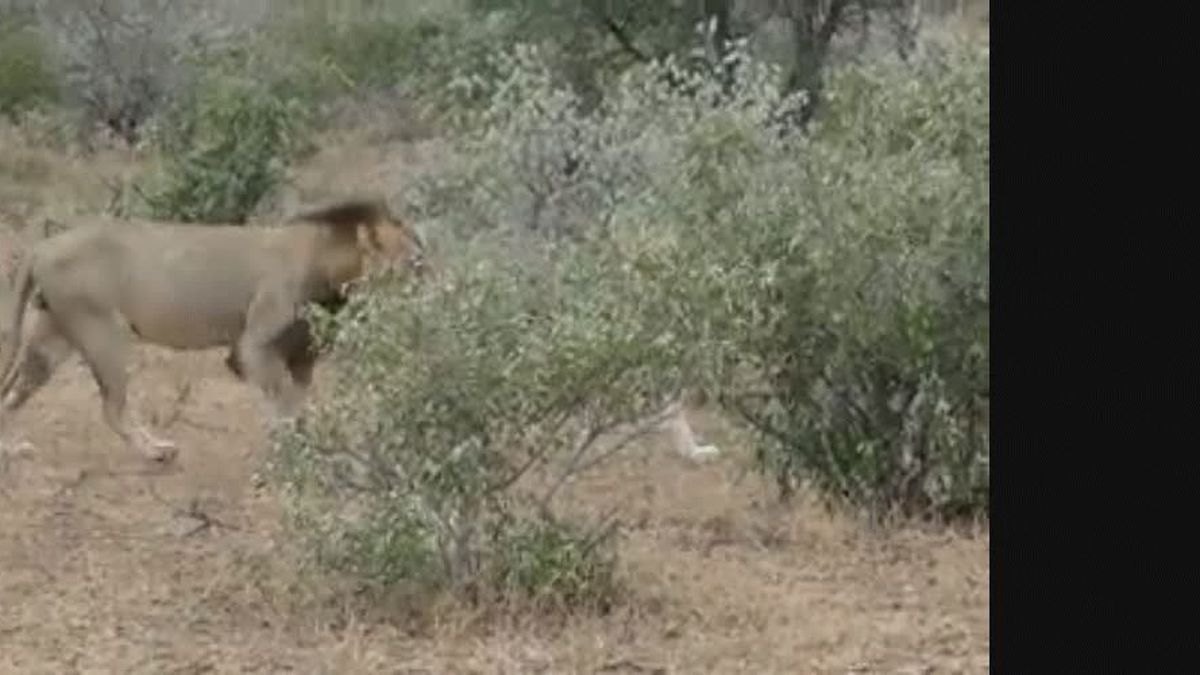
column 12, row 343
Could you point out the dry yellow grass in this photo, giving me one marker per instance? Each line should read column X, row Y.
column 38, row 181
column 105, row 568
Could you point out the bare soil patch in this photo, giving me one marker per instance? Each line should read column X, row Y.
column 106, row 567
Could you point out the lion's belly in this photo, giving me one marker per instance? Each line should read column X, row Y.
column 189, row 310
column 186, row 328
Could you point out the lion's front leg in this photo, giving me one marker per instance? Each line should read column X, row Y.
column 271, row 312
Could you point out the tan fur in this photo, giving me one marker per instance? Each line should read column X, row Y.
column 190, row 287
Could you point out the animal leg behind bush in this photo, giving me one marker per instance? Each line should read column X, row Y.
column 683, row 439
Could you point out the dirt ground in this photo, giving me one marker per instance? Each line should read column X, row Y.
column 108, row 568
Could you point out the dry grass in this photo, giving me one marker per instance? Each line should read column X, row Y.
column 38, row 181
column 107, row 568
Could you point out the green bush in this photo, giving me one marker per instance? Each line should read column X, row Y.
column 535, row 159
column 318, row 61
column 846, row 272
column 397, row 55
column 372, row 53
column 437, row 460
column 832, row 289
column 877, row 350
column 556, row 562
column 224, row 148
column 26, row 79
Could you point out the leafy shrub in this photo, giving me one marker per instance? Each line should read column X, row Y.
column 567, row 167
column 845, row 272
column 26, row 79
column 832, row 289
column 557, row 562
column 372, row 53
column 877, row 351
column 316, row 61
column 395, row 56
column 224, row 149
column 461, row 409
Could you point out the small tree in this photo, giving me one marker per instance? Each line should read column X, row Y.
column 121, row 61
column 844, row 270
column 225, row 147
column 463, row 410
column 830, row 287
column 875, row 351
column 26, row 79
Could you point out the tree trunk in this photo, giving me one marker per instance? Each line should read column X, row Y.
column 812, row 34
column 717, row 11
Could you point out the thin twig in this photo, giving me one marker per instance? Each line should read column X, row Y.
column 644, row 427
column 566, row 405
column 589, row 437
column 618, row 32
column 192, row 511
column 576, row 465
column 605, row 526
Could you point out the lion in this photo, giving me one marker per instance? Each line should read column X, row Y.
column 93, row 288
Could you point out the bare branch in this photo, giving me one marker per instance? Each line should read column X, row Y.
column 623, row 39
column 587, row 442
column 831, row 24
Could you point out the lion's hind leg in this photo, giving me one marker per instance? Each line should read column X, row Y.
column 105, row 347
column 41, row 350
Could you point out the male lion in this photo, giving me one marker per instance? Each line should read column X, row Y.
column 190, row 287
